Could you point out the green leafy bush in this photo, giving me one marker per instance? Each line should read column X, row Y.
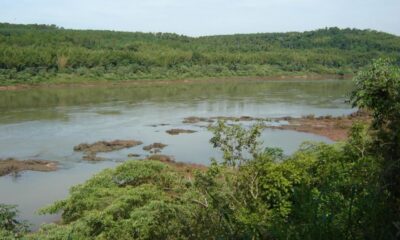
column 10, row 227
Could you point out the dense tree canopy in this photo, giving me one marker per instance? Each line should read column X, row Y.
column 37, row 53
column 378, row 90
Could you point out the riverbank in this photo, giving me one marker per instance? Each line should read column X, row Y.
column 86, row 83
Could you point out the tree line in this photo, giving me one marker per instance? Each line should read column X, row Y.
column 40, row 53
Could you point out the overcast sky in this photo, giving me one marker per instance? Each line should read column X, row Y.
column 206, row 17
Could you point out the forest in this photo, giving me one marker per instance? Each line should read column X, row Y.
column 31, row 54
column 346, row 190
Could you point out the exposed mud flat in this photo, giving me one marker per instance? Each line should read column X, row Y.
column 177, row 131
column 103, row 146
column 155, row 147
column 14, row 166
column 334, row 128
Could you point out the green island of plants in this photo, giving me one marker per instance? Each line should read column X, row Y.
column 33, row 54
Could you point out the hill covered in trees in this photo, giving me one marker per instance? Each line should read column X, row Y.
column 47, row 53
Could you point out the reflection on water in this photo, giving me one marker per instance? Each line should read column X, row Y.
column 47, row 123
column 326, row 93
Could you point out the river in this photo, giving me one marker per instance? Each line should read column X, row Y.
column 46, row 123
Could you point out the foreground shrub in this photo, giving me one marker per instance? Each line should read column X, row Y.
column 10, row 227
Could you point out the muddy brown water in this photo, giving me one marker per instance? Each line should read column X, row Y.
column 47, row 123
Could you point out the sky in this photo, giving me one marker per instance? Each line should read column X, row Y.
column 206, row 17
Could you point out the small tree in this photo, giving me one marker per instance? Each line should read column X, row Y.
column 238, row 144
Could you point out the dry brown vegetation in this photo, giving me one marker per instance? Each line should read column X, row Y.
column 187, row 169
